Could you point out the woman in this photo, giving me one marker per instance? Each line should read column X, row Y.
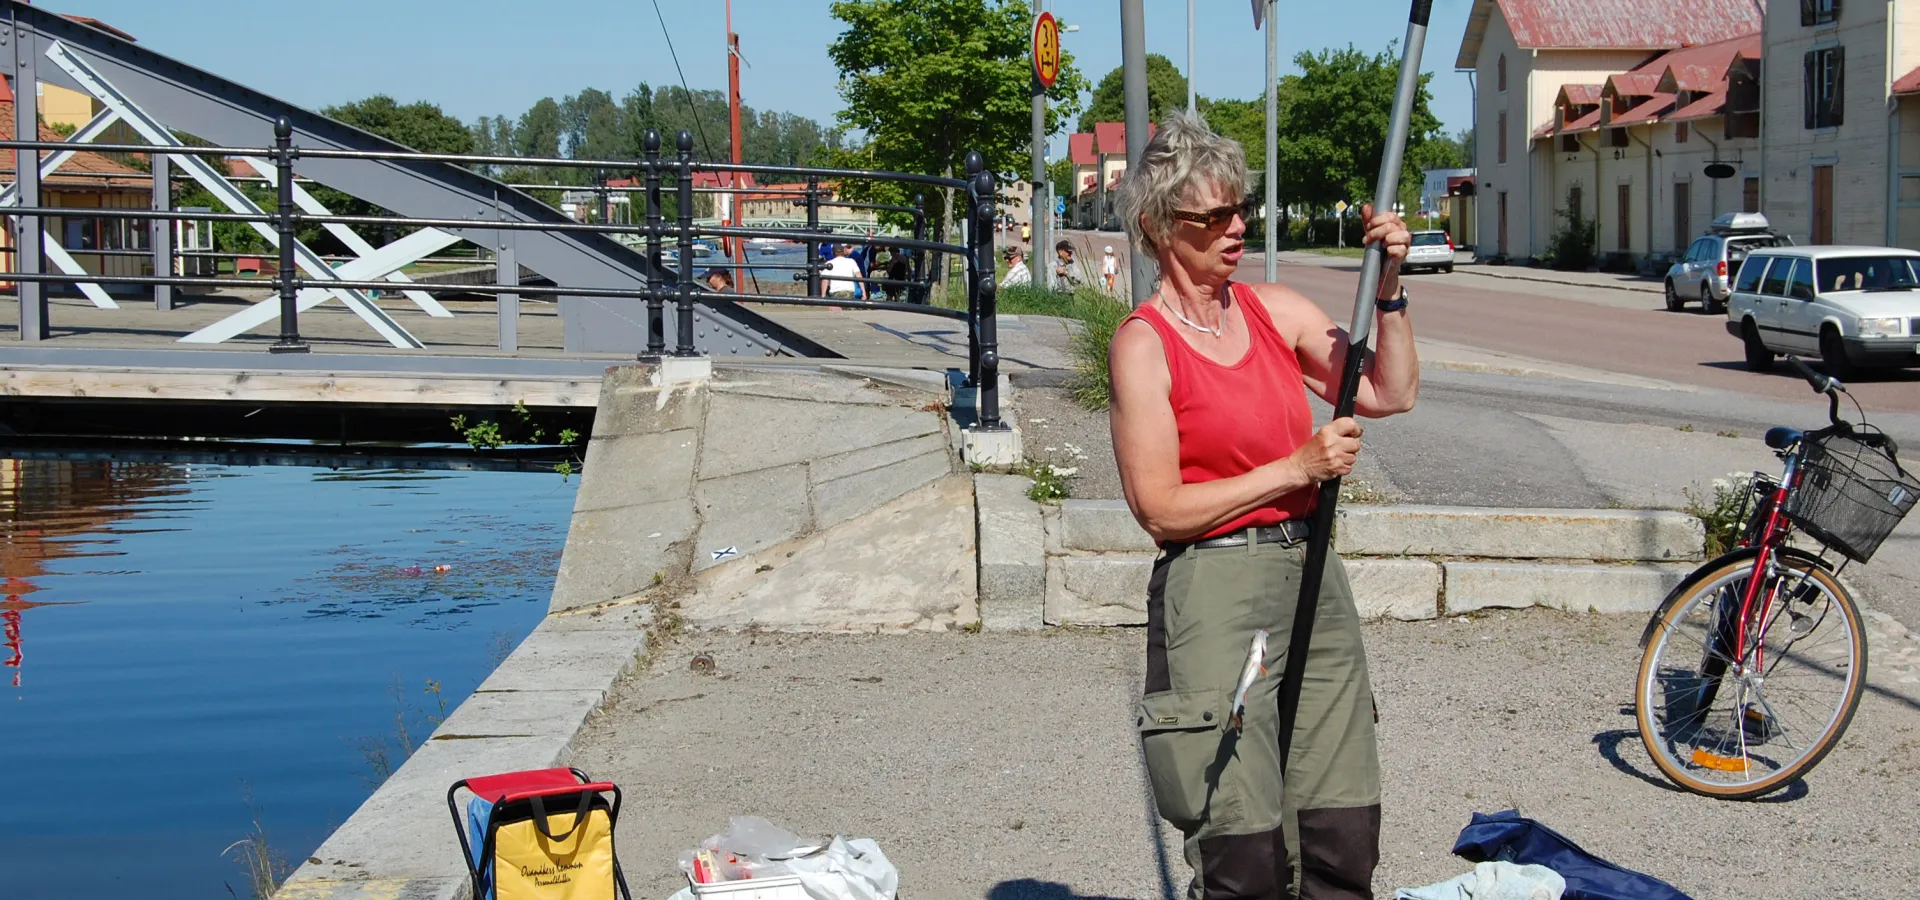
column 1220, row 464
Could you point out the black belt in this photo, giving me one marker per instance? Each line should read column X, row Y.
column 1286, row 534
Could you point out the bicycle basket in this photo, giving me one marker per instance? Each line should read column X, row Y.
column 1850, row 495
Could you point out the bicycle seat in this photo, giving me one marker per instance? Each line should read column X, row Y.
column 1781, row 437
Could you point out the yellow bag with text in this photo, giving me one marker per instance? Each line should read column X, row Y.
column 540, row 835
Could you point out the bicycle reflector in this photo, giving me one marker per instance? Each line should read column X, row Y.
column 1708, row 759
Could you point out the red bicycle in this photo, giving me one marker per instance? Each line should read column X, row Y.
column 1753, row 667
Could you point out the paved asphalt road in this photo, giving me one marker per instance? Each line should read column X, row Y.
column 1006, row 766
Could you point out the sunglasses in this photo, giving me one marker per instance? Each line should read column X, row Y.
column 1219, row 217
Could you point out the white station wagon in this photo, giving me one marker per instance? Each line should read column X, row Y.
column 1856, row 307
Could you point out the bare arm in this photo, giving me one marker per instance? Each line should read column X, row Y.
column 1390, row 381
column 1146, row 444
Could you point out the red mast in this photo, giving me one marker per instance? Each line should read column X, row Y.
column 733, row 131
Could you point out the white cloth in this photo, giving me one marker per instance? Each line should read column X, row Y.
column 1110, row 265
column 1493, row 881
column 1019, row 274
column 845, row 267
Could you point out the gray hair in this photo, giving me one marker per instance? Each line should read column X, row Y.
column 1183, row 152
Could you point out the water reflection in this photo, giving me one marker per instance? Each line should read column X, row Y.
column 197, row 628
column 55, row 509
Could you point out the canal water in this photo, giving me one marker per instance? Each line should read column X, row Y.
column 189, row 650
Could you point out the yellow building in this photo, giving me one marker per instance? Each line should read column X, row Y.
column 1627, row 100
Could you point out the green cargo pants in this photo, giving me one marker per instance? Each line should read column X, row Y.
column 1251, row 830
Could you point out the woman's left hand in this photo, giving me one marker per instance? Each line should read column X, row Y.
column 1389, row 229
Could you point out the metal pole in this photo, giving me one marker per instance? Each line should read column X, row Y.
column 971, row 238
column 918, row 293
column 684, row 175
column 27, row 229
column 1042, row 276
column 506, row 270
column 1272, row 224
column 1386, row 186
column 289, row 298
column 656, row 303
column 986, row 206
column 1133, row 61
column 160, row 232
column 813, row 225
column 1192, row 100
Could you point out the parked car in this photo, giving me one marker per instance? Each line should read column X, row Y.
column 1430, row 250
column 1706, row 273
column 1857, row 307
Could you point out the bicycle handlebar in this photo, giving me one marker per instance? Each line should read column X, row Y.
column 1822, row 384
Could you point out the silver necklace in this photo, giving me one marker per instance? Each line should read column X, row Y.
column 1191, row 323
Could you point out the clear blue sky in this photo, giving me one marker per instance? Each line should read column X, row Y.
column 486, row 57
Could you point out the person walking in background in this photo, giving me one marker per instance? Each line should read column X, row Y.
column 899, row 269
column 842, row 274
column 1221, row 465
column 720, row 280
column 1109, row 268
column 1017, row 271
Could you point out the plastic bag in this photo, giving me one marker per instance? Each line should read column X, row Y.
column 753, row 847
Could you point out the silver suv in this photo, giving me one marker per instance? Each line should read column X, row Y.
column 1706, row 273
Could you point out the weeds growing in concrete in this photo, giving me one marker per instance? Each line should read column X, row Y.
column 1049, row 482
column 1721, row 512
column 262, row 865
column 519, row 427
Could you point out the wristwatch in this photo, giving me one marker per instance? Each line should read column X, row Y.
column 1393, row 305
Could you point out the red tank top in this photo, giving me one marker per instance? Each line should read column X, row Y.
column 1235, row 418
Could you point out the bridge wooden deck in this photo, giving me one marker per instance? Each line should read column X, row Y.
column 134, row 353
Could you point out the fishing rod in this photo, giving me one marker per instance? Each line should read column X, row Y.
column 1386, row 187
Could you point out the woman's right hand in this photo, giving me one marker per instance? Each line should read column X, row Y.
column 1331, row 452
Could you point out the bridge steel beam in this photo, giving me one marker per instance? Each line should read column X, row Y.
column 218, row 110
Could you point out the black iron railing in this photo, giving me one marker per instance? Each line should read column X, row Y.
column 659, row 285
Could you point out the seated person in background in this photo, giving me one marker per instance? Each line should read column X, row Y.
column 838, row 272
column 1017, row 271
column 720, row 280
column 1063, row 268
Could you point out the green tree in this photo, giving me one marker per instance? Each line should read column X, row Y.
column 420, row 126
column 539, row 130
column 1333, row 124
column 1060, row 175
column 929, row 80
column 1166, row 90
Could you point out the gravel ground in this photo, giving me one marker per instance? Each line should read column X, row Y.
column 1005, row 767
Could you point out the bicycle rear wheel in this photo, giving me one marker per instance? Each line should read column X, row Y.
column 1740, row 728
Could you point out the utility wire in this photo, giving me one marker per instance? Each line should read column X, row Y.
column 691, row 109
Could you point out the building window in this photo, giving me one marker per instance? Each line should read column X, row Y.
column 1824, row 86
column 1500, row 73
column 1617, row 137
column 1819, row 12
column 1500, row 144
column 1570, row 143
column 1679, row 132
column 1750, row 195
column 1576, row 201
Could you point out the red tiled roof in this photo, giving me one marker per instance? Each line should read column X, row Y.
column 1705, row 106
column 1703, row 68
column 96, row 23
column 1908, row 83
column 1636, row 83
column 1080, row 149
column 1111, row 137
column 84, row 169
column 1611, row 25
column 1580, row 94
column 1647, row 111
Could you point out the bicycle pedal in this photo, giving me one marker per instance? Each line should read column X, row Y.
column 1757, row 725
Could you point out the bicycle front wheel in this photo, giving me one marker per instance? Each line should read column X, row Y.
column 1737, row 728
